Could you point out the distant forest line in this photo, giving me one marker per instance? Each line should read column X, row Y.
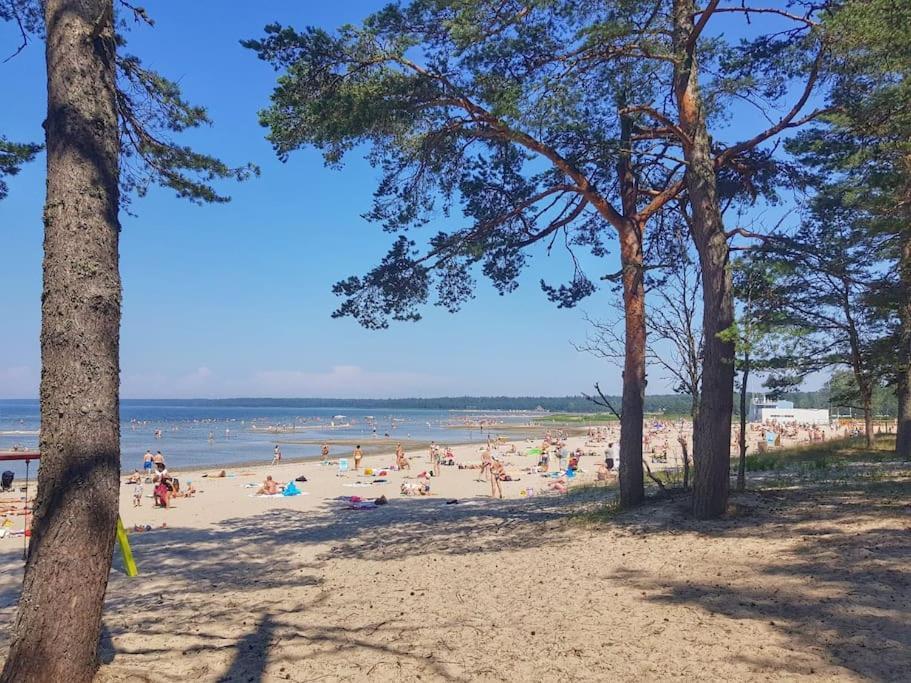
column 669, row 404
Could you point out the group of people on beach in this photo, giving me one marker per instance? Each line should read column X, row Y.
column 165, row 486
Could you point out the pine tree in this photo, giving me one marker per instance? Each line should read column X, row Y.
column 106, row 130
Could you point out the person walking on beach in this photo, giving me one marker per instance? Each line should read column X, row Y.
column 325, row 452
column 158, row 459
column 357, row 457
column 277, row 455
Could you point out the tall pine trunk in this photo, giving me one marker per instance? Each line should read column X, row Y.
column 632, row 481
column 867, row 399
column 56, row 632
column 632, row 490
column 903, row 388
column 742, row 441
column 712, row 430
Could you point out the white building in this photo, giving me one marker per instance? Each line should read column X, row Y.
column 813, row 416
column 765, row 410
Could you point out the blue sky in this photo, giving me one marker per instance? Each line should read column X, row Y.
column 234, row 300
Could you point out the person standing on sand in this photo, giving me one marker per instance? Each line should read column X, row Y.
column 613, row 454
column 357, row 457
column 158, row 459
column 147, row 463
column 277, row 455
column 435, row 460
column 324, row 451
column 496, row 471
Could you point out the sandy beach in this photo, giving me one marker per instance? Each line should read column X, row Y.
column 239, row 588
column 234, row 495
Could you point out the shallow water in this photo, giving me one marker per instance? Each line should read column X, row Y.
column 195, row 436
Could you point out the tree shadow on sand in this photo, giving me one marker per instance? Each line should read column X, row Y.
column 843, row 595
column 282, row 552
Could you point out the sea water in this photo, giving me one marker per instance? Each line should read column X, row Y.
column 213, row 435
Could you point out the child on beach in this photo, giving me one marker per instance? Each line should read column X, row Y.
column 277, row 455
column 137, row 496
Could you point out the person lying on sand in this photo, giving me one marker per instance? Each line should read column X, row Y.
column 269, row 487
column 558, row 485
column 421, row 487
column 134, row 478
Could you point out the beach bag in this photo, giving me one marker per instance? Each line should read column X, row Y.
column 301, row 478
column 6, row 480
column 291, row 490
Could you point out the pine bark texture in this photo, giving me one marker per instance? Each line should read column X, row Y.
column 903, row 434
column 56, row 632
column 712, row 430
column 632, row 489
column 742, row 440
column 632, row 262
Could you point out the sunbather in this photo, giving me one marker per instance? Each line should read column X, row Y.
column 269, row 487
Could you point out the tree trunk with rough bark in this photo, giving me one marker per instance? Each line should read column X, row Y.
column 632, row 490
column 712, row 430
column 742, row 440
column 632, row 481
column 56, row 632
column 867, row 399
column 903, row 388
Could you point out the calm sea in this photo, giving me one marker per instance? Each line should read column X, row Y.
column 193, row 435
